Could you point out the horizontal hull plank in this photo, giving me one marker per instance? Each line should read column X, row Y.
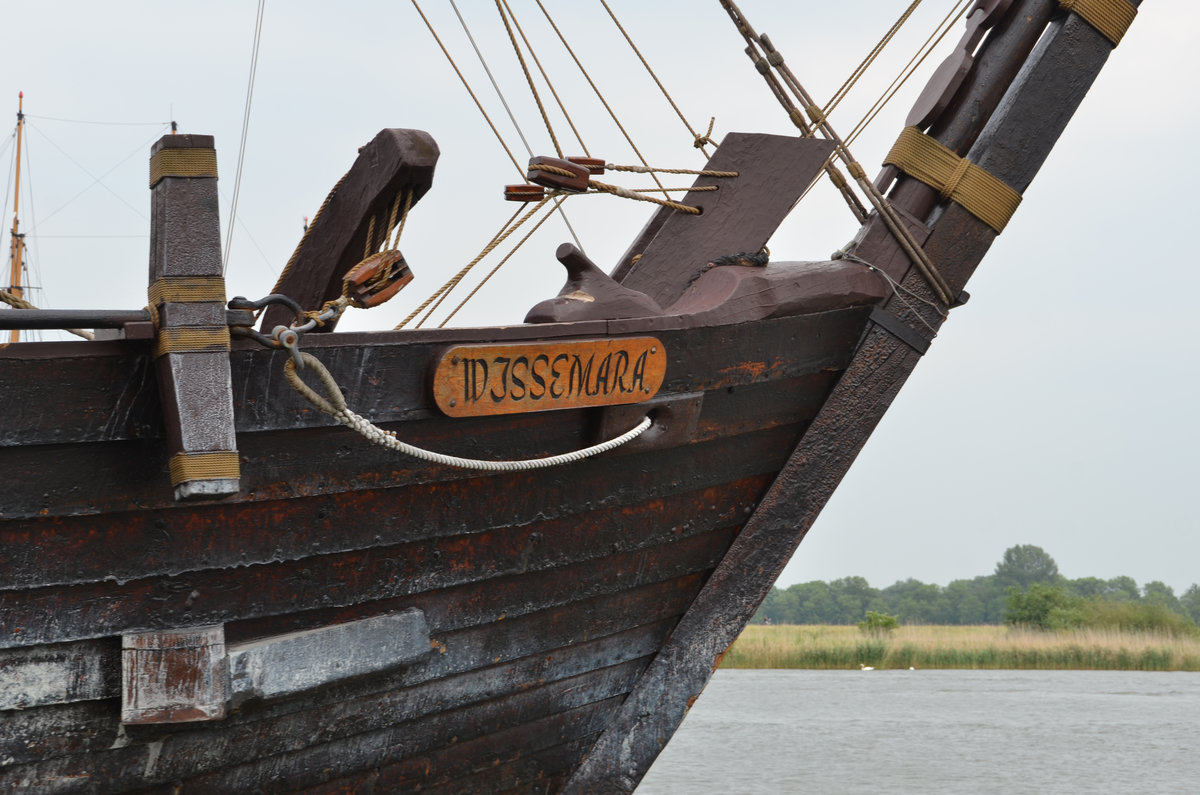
column 327, row 764
column 488, row 764
column 305, row 756
column 107, row 391
column 125, row 477
column 223, row 595
column 478, row 604
column 95, row 549
column 267, row 729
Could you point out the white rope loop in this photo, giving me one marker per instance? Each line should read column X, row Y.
column 335, row 407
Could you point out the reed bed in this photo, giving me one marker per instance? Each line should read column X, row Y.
column 996, row 647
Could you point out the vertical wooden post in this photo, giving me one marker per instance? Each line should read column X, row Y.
column 187, row 297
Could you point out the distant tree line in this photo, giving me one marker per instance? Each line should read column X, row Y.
column 985, row 599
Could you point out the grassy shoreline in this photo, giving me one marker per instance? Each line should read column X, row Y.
column 993, row 647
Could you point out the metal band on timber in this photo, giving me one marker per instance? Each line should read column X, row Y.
column 1111, row 17
column 187, row 299
column 956, row 178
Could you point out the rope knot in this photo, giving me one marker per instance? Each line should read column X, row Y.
column 960, row 169
column 703, row 140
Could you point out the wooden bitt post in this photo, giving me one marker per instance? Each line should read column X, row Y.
column 187, row 294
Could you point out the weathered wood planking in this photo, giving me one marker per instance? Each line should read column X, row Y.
column 70, row 392
column 320, row 527
column 480, row 647
column 209, row 596
column 365, row 705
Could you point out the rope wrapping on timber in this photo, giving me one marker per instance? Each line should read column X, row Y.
column 186, row 289
column 219, row 465
column 187, row 339
column 335, row 406
column 188, row 163
column 956, row 178
column 1111, row 17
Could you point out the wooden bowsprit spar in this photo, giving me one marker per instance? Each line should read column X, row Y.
column 1012, row 146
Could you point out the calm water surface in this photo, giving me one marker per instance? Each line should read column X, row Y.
column 937, row 732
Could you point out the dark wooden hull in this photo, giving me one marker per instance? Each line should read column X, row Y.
column 572, row 615
column 546, row 594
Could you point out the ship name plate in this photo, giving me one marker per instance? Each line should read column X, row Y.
column 480, row 380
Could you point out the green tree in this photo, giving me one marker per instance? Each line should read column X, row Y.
column 878, row 624
column 916, row 602
column 1191, row 602
column 778, row 608
column 1156, row 592
column 1044, row 607
column 814, row 605
column 1087, row 587
column 1121, row 589
column 1024, row 565
column 965, row 603
column 852, row 597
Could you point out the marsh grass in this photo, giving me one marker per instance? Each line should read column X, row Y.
column 831, row 647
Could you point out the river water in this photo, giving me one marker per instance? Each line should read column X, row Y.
column 936, row 732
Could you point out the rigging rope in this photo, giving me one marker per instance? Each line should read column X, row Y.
column 237, row 179
column 888, row 214
column 612, row 114
column 699, row 141
column 924, row 51
column 467, row 86
column 507, row 229
column 914, row 63
column 500, row 94
column 537, row 98
column 557, row 201
column 854, row 77
column 546, row 77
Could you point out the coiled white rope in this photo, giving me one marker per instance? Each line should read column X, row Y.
column 335, row 406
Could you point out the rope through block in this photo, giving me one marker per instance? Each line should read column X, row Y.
column 182, row 163
column 980, row 193
column 218, row 465
column 1111, row 17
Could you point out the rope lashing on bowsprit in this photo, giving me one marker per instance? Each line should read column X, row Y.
column 1111, row 17
column 957, row 179
column 333, row 403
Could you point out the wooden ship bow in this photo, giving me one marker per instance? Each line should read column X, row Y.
column 243, row 556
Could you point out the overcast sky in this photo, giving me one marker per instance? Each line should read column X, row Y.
column 1057, row 408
